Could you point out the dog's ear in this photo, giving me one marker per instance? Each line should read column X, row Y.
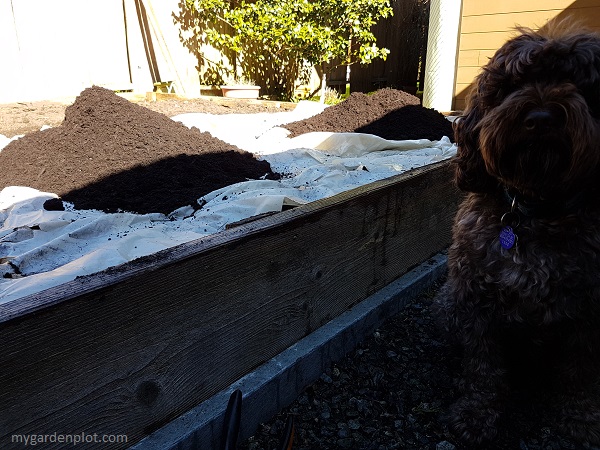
column 469, row 167
column 490, row 87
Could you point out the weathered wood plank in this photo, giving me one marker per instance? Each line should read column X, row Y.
column 125, row 351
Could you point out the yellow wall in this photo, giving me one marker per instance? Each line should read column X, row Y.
column 485, row 26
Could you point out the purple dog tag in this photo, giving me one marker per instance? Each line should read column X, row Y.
column 507, row 238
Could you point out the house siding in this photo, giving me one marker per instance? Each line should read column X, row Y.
column 485, row 26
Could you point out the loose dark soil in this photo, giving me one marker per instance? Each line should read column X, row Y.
column 388, row 113
column 113, row 155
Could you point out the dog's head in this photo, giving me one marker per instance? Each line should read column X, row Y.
column 532, row 121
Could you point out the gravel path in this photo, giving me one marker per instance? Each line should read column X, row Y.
column 391, row 393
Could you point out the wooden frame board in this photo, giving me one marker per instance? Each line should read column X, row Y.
column 124, row 351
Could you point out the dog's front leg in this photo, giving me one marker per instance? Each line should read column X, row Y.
column 579, row 378
column 473, row 417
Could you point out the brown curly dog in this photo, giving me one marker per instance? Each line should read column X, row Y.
column 523, row 288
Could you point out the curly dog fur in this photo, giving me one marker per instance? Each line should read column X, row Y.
column 529, row 159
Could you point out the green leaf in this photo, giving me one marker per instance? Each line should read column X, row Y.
column 284, row 35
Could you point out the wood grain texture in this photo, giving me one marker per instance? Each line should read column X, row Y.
column 126, row 350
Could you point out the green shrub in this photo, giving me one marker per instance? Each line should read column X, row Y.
column 273, row 40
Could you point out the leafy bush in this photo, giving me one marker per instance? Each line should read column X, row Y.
column 274, row 40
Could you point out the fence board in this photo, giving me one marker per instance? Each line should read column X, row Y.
column 405, row 35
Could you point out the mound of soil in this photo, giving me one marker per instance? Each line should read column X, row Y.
column 114, row 155
column 388, row 113
column 111, row 154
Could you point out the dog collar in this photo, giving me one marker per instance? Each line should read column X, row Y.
column 509, row 221
column 542, row 209
column 520, row 207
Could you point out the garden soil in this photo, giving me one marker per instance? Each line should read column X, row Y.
column 388, row 113
column 114, row 155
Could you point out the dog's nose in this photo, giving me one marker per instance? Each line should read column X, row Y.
column 540, row 120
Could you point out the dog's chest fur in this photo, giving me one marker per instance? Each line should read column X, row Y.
column 553, row 272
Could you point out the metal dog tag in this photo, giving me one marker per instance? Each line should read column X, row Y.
column 508, row 238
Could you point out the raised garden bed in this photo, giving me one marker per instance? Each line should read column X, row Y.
column 127, row 350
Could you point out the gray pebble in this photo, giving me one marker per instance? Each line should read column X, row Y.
column 445, row 445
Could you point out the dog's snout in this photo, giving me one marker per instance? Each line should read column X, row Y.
column 540, row 120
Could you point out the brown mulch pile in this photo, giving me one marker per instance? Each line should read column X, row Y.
column 111, row 154
column 388, row 113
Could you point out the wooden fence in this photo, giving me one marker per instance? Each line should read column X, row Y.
column 405, row 35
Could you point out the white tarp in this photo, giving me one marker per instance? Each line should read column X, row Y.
column 40, row 249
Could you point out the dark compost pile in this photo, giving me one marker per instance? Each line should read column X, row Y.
column 114, row 155
column 111, row 154
column 388, row 113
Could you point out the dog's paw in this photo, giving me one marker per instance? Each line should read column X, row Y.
column 473, row 421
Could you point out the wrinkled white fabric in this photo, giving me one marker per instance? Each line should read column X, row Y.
column 40, row 249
